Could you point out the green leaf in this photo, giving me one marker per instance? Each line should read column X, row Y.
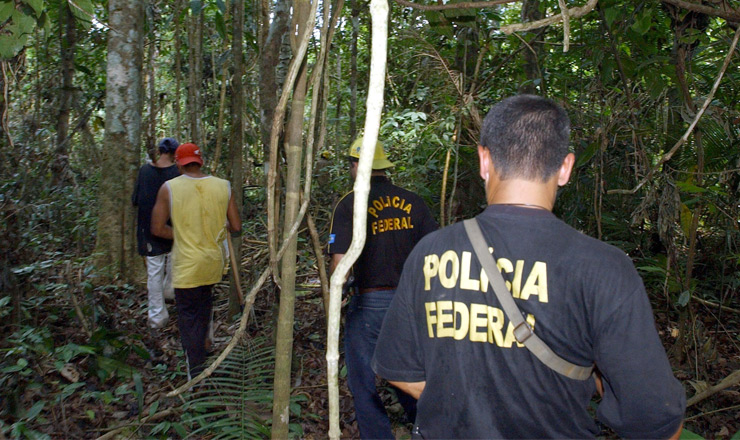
column 643, row 22
column 221, row 26
column 196, row 6
column 35, row 410
column 37, row 5
column 690, row 435
column 83, row 10
column 683, row 300
column 6, row 9
column 180, row 429
column 139, row 385
column 153, row 408
column 736, row 436
column 689, row 187
column 611, row 14
column 587, row 154
column 68, row 390
column 686, row 219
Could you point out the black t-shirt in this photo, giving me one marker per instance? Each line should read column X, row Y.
column 145, row 195
column 587, row 302
column 396, row 220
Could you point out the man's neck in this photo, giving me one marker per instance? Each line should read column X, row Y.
column 523, row 193
column 193, row 172
column 164, row 161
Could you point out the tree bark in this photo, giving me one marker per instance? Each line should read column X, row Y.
column 116, row 245
column 237, row 135
column 379, row 47
column 150, row 142
column 67, row 45
column 355, row 8
column 195, row 72
column 178, row 69
column 531, row 12
column 269, row 60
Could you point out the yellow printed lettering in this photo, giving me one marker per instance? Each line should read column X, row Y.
column 465, row 281
column 517, row 282
column 431, row 266
column 505, row 266
column 431, row 319
column 536, row 282
column 407, row 208
column 462, row 320
column 450, row 280
column 394, row 202
column 477, row 321
column 495, row 325
column 445, row 319
column 378, row 205
column 372, row 212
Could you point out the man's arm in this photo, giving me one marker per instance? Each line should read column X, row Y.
column 413, row 389
column 232, row 216
column 161, row 213
column 335, row 259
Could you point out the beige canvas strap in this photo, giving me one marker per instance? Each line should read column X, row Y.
column 522, row 330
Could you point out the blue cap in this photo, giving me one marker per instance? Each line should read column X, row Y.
column 168, row 145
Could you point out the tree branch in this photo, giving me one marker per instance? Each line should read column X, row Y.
column 666, row 157
column 449, row 6
column 729, row 381
column 572, row 13
column 731, row 15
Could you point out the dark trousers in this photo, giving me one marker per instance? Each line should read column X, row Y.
column 362, row 326
column 193, row 315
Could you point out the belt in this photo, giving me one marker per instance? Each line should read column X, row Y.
column 375, row 289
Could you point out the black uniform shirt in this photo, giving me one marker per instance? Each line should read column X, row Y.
column 396, row 220
column 583, row 297
column 145, row 195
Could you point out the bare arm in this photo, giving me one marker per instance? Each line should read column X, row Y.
column 161, row 213
column 335, row 259
column 232, row 216
column 413, row 389
column 677, row 435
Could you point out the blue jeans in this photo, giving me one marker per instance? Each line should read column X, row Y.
column 362, row 326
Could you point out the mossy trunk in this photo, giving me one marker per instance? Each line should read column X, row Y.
column 116, row 243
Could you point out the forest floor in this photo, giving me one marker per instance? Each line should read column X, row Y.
column 112, row 405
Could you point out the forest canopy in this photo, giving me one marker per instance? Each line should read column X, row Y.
column 89, row 87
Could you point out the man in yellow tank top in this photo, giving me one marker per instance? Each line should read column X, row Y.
column 202, row 209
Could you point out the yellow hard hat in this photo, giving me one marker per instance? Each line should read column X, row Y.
column 380, row 160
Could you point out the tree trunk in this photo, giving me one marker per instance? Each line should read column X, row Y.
column 353, row 71
column 178, row 70
column 67, row 46
column 531, row 12
column 293, row 153
column 116, row 245
column 195, row 72
column 269, row 60
column 151, row 141
column 237, row 135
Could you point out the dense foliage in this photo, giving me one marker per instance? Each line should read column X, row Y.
column 634, row 78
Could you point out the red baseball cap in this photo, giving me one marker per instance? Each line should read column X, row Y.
column 188, row 153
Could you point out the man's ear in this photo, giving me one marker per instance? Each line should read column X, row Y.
column 484, row 157
column 565, row 169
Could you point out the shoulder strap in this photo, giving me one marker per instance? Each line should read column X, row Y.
column 522, row 330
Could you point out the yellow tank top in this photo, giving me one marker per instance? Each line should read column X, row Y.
column 198, row 212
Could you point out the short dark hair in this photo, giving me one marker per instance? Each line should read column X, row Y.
column 528, row 137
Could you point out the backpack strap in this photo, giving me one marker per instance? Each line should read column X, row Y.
column 522, row 330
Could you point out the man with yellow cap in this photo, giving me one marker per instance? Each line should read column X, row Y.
column 396, row 220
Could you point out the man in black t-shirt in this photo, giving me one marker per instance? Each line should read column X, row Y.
column 447, row 340
column 155, row 250
column 396, row 220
